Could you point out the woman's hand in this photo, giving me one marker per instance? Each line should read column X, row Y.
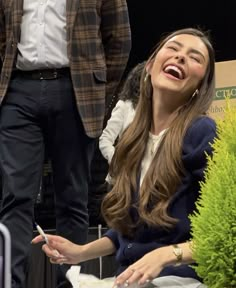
column 60, row 250
column 143, row 271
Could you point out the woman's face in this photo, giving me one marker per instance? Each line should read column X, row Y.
column 179, row 66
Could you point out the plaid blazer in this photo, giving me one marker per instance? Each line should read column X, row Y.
column 98, row 42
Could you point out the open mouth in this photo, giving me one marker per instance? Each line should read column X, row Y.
column 175, row 72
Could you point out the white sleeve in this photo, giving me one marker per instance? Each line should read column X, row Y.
column 112, row 130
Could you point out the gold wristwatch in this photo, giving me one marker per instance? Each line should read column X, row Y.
column 178, row 252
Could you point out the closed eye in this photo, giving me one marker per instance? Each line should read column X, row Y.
column 172, row 48
column 195, row 59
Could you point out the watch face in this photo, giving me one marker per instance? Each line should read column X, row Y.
column 178, row 251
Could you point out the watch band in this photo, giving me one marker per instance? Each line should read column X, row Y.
column 178, row 252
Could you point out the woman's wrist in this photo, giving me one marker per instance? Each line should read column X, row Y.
column 178, row 252
column 175, row 254
column 98, row 248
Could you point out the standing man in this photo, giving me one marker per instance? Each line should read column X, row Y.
column 61, row 59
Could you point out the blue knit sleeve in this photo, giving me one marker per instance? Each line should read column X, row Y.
column 113, row 236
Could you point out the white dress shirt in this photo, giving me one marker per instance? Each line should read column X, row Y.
column 43, row 41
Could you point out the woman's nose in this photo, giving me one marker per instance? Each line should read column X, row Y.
column 180, row 58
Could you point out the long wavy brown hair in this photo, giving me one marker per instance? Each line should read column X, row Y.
column 165, row 173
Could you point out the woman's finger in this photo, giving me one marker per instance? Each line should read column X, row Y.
column 145, row 279
column 124, row 277
column 59, row 260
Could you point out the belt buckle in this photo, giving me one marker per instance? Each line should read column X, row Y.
column 55, row 74
column 48, row 75
column 41, row 76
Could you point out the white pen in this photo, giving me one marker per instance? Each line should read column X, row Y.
column 41, row 232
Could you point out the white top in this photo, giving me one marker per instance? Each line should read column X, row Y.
column 122, row 115
column 152, row 145
column 43, row 41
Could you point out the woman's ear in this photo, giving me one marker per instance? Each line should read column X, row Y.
column 149, row 65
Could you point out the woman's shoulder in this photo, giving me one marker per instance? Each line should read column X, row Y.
column 123, row 104
column 202, row 129
column 202, row 124
column 119, row 108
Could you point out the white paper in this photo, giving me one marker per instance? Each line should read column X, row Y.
column 80, row 280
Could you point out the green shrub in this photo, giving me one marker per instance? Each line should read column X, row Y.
column 214, row 223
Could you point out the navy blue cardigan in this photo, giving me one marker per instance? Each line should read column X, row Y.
column 195, row 146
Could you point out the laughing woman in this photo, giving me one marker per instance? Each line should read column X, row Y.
column 156, row 169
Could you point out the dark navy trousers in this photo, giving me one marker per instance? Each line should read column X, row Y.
column 35, row 112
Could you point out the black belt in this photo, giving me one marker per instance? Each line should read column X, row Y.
column 43, row 74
